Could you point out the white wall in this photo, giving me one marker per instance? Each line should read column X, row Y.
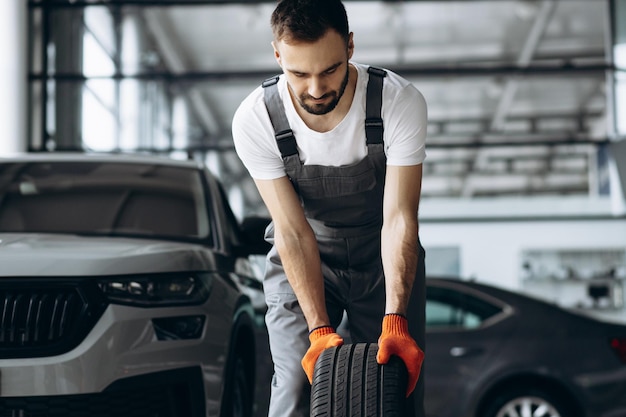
column 490, row 251
column 492, row 235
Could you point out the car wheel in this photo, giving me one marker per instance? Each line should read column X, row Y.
column 238, row 396
column 239, row 376
column 241, row 401
column 526, row 402
column 348, row 382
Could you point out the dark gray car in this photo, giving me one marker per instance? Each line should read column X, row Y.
column 494, row 353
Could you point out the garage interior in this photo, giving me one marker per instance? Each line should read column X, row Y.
column 525, row 102
column 524, row 183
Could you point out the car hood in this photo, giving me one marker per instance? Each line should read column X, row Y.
column 70, row 255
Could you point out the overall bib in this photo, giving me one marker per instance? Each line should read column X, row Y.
column 344, row 208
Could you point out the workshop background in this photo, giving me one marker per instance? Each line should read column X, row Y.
column 525, row 177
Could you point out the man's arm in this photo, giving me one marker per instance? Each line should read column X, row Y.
column 296, row 244
column 399, row 234
column 399, row 256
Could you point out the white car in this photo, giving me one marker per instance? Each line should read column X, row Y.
column 120, row 290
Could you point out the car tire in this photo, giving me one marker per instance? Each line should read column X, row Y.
column 527, row 401
column 238, row 394
column 348, row 382
column 240, row 398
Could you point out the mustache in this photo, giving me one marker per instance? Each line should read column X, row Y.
column 306, row 96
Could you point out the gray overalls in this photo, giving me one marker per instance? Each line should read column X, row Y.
column 344, row 207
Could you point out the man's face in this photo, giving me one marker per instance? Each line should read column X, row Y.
column 316, row 72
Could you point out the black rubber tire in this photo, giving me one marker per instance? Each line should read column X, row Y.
column 348, row 382
column 238, row 401
column 239, row 376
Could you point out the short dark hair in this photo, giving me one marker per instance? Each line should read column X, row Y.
column 309, row 20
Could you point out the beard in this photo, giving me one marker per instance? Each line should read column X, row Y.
column 320, row 109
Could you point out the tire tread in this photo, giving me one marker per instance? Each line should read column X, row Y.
column 348, row 382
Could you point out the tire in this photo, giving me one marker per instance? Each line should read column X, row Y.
column 239, row 375
column 238, row 400
column 531, row 402
column 348, row 382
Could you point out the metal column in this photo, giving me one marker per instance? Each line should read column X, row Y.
column 617, row 105
column 13, row 44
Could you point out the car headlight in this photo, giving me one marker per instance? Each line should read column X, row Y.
column 157, row 290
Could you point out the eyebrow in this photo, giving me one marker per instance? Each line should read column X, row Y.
column 332, row 67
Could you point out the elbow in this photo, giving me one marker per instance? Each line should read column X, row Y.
column 291, row 238
column 401, row 224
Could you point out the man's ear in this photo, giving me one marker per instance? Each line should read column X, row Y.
column 276, row 53
column 350, row 45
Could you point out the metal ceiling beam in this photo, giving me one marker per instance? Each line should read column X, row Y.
column 69, row 4
column 503, row 143
column 523, row 61
column 517, row 117
column 228, row 147
column 467, row 127
column 533, row 191
column 450, row 188
column 416, row 71
column 488, row 175
column 168, row 3
column 510, row 88
column 171, row 54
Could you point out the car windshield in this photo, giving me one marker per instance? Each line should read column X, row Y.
column 107, row 198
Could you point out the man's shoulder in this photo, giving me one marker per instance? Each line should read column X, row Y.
column 252, row 103
column 396, row 81
column 256, row 97
column 392, row 80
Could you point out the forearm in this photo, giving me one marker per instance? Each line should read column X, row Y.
column 399, row 252
column 300, row 257
column 296, row 244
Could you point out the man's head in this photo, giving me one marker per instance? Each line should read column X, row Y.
column 312, row 44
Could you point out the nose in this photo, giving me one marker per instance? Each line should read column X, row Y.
column 316, row 87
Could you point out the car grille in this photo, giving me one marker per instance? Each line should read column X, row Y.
column 43, row 318
column 158, row 402
column 177, row 393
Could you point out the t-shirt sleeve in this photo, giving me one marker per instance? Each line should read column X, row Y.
column 406, row 123
column 254, row 140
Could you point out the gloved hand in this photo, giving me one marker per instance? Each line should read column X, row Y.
column 396, row 340
column 321, row 338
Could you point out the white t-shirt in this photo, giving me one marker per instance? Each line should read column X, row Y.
column 404, row 117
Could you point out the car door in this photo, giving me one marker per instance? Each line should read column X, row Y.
column 460, row 340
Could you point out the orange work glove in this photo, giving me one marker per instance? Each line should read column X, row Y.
column 396, row 340
column 321, row 338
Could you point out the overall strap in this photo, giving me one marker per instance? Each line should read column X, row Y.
column 284, row 135
column 373, row 105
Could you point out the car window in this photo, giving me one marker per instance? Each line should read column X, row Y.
column 452, row 309
column 102, row 198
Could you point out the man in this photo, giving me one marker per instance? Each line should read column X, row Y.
column 343, row 195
